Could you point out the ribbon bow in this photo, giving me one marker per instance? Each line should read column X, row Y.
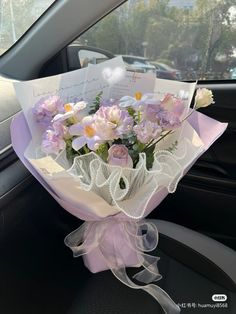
column 109, row 236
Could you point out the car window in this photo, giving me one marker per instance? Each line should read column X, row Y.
column 182, row 39
column 16, row 17
column 90, row 57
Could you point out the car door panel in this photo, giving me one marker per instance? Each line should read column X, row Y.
column 205, row 199
column 223, row 152
column 14, row 177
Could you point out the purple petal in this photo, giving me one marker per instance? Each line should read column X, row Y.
column 91, row 142
column 78, row 143
column 76, row 129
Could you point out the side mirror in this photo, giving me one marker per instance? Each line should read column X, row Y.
column 80, row 56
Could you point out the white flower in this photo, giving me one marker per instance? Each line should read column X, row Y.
column 85, row 133
column 203, row 98
column 71, row 110
column 138, row 101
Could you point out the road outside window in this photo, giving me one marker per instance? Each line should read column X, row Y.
column 180, row 39
column 16, row 17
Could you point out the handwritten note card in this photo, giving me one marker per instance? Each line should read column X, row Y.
column 133, row 82
column 110, row 77
column 84, row 83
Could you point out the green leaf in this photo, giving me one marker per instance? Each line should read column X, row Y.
column 122, row 184
column 86, row 149
column 131, row 111
column 96, row 103
column 149, row 156
column 102, row 151
column 70, row 152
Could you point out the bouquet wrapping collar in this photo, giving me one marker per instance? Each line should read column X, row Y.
column 209, row 130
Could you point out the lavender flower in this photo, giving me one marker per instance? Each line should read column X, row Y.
column 46, row 108
column 112, row 122
column 168, row 120
column 150, row 112
column 146, row 131
column 60, row 129
column 52, row 142
column 168, row 107
column 172, row 104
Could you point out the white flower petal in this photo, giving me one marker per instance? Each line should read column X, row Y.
column 127, row 101
column 62, row 117
column 87, row 120
column 80, row 106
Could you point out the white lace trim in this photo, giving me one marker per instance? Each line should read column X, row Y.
column 89, row 173
column 93, row 174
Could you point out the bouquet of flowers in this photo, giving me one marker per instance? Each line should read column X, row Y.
column 109, row 145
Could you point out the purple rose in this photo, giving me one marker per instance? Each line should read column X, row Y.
column 118, row 155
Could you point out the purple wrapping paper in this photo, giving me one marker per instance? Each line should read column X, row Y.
column 208, row 130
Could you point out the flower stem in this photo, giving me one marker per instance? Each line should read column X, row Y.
column 86, row 150
column 152, row 143
column 188, row 115
column 160, row 138
column 148, row 145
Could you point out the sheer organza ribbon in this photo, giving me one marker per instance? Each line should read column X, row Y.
column 140, row 237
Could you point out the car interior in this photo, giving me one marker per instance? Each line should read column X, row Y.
column 196, row 224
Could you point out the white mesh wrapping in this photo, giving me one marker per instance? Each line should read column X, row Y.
column 95, row 175
column 91, row 180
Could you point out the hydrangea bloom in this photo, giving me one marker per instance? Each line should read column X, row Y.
column 172, row 104
column 146, row 131
column 150, row 113
column 46, row 108
column 112, row 122
column 52, row 142
column 105, row 128
column 168, row 120
column 60, row 128
column 169, row 107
